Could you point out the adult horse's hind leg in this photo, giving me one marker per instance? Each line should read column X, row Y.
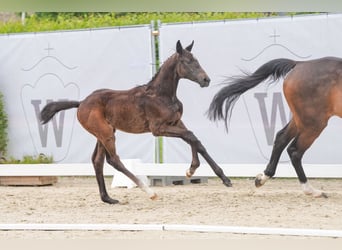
column 296, row 150
column 98, row 161
column 283, row 138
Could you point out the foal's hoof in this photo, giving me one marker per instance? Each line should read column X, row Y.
column 154, row 197
column 110, row 201
column 227, row 183
column 188, row 174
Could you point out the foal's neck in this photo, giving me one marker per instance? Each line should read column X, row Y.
column 165, row 82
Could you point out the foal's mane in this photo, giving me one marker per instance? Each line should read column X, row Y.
column 167, row 61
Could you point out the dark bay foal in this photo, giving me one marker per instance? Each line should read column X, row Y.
column 153, row 107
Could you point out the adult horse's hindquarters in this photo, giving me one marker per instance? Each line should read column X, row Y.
column 313, row 90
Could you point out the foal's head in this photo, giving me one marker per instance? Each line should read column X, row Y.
column 189, row 68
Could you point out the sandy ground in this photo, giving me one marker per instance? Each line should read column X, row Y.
column 280, row 203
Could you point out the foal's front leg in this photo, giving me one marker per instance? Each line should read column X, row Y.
column 179, row 130
column 195, row 163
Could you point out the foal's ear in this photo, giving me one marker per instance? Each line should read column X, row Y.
column 189, row 48
column 179, row 47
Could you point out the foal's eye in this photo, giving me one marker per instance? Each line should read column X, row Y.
column 190, row 60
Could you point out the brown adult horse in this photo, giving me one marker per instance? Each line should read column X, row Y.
column 313, row 90
column 153, row 107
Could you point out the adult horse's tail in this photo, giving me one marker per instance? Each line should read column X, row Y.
column 53, row 107
column 223, row 102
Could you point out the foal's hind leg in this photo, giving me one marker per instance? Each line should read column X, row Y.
column 98, row 161
column 114, row 160
column 106, row 147
column 296, row 151
column 283, row 137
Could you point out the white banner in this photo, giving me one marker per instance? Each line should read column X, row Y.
column 38, row 67
column 224, row 49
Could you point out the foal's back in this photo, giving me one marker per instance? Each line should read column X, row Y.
column 121, row 109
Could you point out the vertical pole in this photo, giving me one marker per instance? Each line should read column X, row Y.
column 23, row 16
column 158, row 151
column 160, row 139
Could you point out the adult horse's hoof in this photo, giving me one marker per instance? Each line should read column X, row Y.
column 320, row 195
column 309, row 190
column 257, row 182
column 260, row 180
column 324, row 195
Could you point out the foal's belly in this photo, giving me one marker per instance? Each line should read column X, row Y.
column 132, row 128
column 130, row 123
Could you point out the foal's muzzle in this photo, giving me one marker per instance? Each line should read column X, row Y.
column 205, row 81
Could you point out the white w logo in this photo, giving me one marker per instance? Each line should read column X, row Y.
column 270, row 122
column 43, row 129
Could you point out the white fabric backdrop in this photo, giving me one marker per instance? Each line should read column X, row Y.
column 223, row 48
column 58, row 65
column 70, row 65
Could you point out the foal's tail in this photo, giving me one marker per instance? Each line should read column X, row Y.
column 53, row 107
column 223, row 102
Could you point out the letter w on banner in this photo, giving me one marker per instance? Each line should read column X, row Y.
column 229, row 48
column 40, row 68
